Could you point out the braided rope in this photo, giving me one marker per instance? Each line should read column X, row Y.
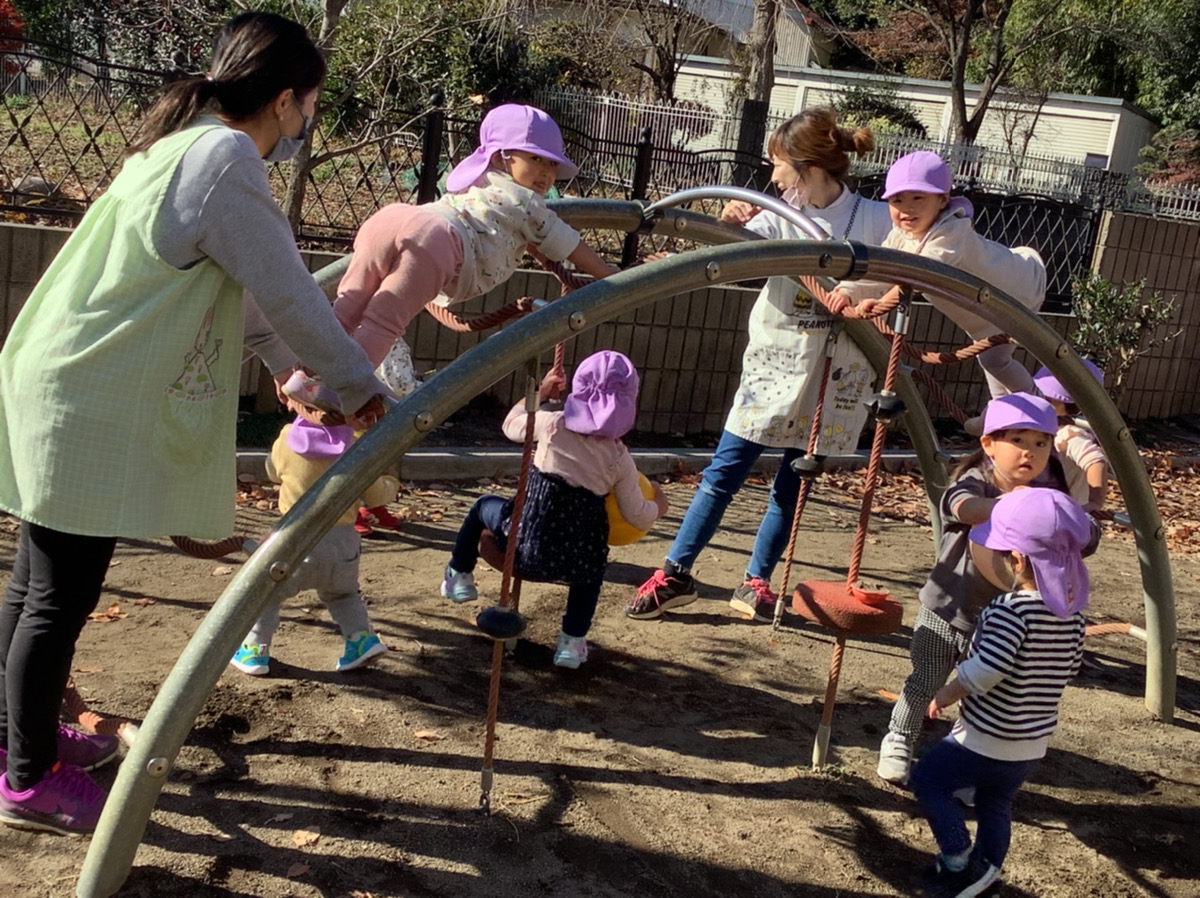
column 77, row 710
column 835, row 674
column 209, row 549
column 864, row 514
column 939, row 394
column 472, row 323
column 814, row 432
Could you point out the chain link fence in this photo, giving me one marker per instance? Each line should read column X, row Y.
column 67, row 120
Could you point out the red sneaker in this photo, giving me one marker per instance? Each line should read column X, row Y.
column 362, row 522
column 379, row 516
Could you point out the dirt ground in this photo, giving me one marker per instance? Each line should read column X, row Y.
column 675, row 763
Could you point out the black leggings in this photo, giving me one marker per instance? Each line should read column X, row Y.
column 55, row 585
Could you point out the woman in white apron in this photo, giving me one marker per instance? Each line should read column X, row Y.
column 781, row 368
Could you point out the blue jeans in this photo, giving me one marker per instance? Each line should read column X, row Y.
column 948, row 767
column 719, row 484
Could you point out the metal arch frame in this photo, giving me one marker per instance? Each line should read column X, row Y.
column 186, row 688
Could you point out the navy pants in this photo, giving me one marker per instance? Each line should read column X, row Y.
column 948, row 767
column 490, row 513
column 55, row 585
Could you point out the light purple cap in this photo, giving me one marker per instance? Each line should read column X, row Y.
column 1049, row 386
column 922, row 171
column 603, row 398
column 512, row 127
column 314, row 441
column 1051, row 530
column 1020, row 411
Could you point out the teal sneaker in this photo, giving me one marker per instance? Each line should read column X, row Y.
column 253, row 659
column 362, row 648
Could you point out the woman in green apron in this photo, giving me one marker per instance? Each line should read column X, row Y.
column 118, row 380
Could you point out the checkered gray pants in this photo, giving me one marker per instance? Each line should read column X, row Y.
column 936, row 648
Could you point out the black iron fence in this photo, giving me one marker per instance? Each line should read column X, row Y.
column 67, row 119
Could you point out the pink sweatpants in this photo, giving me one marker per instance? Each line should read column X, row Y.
column 404, row 256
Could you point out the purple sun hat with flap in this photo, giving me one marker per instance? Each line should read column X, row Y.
column 922, row 171
column 1020, row 411
column 603, row 398
column 310, row 440
column 1051, row 530
column 512, row 127
column 1050, row 387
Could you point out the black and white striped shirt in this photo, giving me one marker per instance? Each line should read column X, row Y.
column 1020, row 661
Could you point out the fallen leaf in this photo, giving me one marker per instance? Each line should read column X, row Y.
column 221, row 571
column 142, row 603
column 297, row 870
column 89, row 669
column 279, row 818
column 221, row 837
column 111, row 613
column 429, row 735
column 302, row 838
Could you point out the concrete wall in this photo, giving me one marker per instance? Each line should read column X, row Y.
column 688, row 348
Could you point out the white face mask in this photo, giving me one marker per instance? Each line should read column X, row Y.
column 287, row 147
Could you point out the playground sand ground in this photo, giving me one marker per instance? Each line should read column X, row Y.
column 675, row 762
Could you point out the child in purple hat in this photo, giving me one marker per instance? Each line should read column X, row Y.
column 580, row 459
column 1082, row 458
column 463, row 245
column 926, row 221
column 1016, row 451
column 302, row 452
column 1029, row 643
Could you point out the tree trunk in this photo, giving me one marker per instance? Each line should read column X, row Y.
column 760, row 49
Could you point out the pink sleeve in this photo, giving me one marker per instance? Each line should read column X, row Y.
column 635, row 508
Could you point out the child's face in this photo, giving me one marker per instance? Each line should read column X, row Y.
column 1018, row 455
column 1060, row 408
column 531, row 171
column 784, row 174
column 914, row 212
column 1000, row 568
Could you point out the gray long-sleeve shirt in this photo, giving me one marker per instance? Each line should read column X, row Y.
column 219, row 205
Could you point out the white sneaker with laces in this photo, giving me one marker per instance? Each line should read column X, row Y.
column 459, row 586
column 895, row 759
column 571, row 651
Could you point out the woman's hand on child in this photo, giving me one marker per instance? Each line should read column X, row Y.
column 369, row 414
column 739, row 212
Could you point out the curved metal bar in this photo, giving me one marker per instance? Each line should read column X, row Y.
column 762, row 200
column 190, row 681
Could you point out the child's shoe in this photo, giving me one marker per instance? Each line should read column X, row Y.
column 459, row 586
column 379, row 516
column 754, row 597
column 362, row 648
column 978, row 878
column 895, row 759
column 66, row 801
column 311, row 391
column 571, row 651
column 252, row 658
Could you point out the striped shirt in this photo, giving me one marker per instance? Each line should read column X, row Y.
column 1020, row 661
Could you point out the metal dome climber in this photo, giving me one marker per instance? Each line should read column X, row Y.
column 189, row 683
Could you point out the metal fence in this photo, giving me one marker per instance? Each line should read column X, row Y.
column 67, row 119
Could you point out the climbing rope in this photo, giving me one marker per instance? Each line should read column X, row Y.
column 77, row 709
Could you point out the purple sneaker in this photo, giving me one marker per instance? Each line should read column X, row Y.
column 66, row 801
column 82, row 750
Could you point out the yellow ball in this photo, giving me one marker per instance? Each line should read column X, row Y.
column 620, row 531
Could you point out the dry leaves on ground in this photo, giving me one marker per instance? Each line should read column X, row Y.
column 111, row 613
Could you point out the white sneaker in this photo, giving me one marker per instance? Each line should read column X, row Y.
column 459, row 586
column 895, row 759
column 571, row 651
